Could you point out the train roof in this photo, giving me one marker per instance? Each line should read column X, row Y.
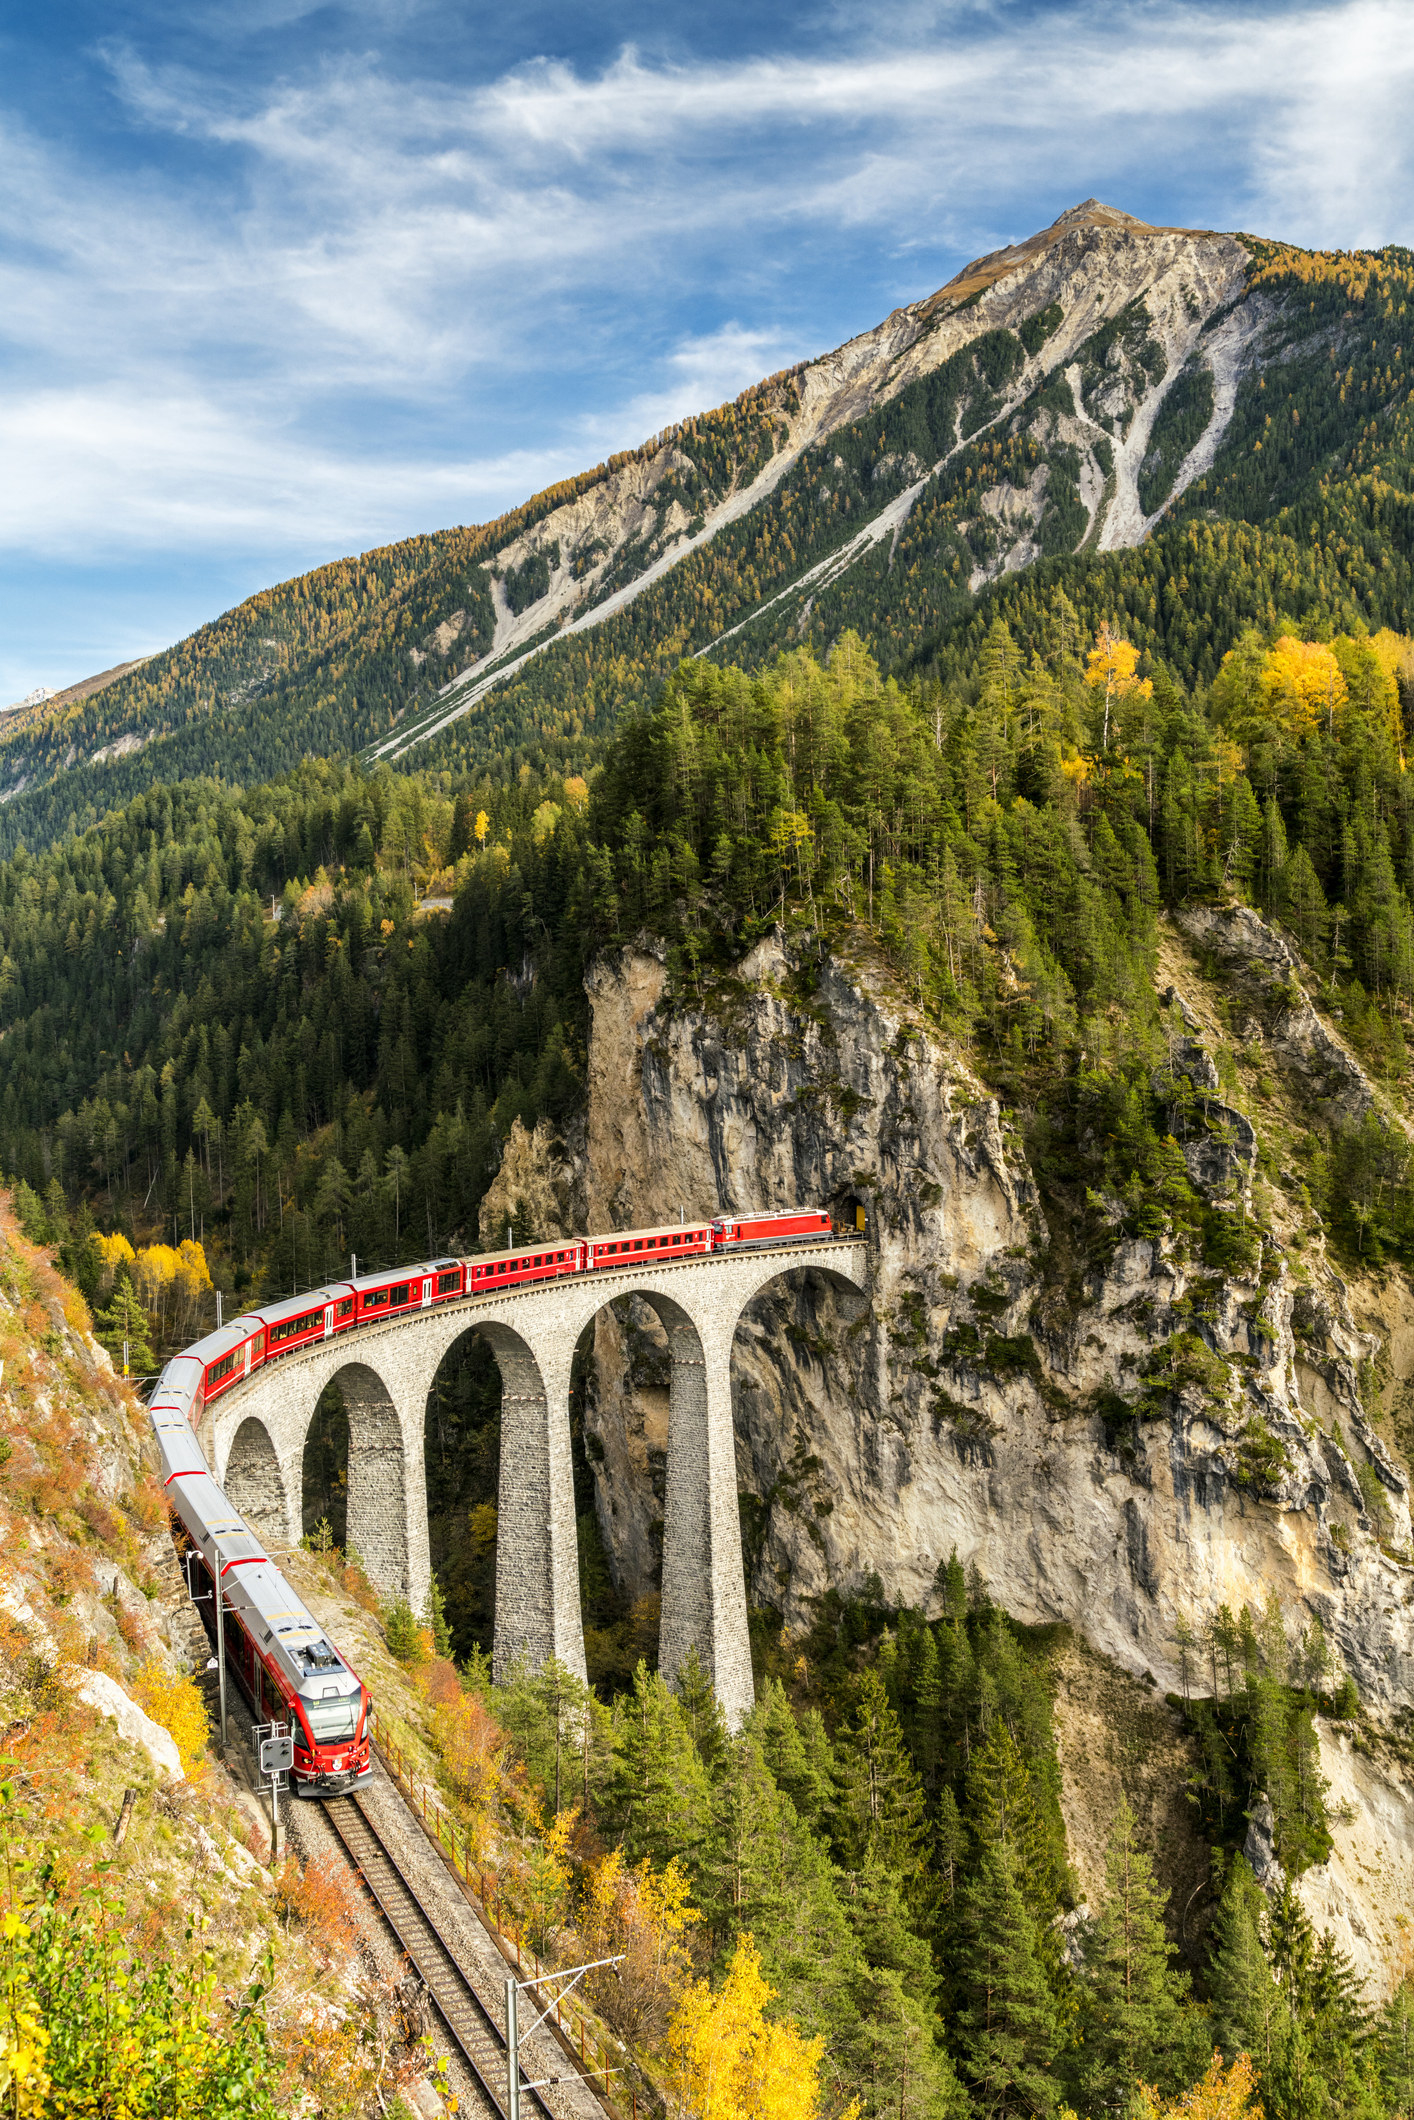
column 401, row 1273
column 662, row 1229
column 293, row 1306
column 254, row 1588
column 522, row 1251
column 222, row 1341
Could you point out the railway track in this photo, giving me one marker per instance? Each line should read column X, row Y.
column 473, row 2030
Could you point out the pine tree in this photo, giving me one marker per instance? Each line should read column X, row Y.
column 950, row 1846
column 879, row 1811
column 1003, row 1812
column 927, row 1696
column 1133, row 2026
column 951, row 1586
column 1396, row 2050
column 437, row 1618
column 1006, row 2017
column 123, row 1329
column 1304, row 906
column 702, row 1711
column 741, row 1883
column 957, row 1683
column 1246, row 2002
column 799, row 1754
column 658, row 1793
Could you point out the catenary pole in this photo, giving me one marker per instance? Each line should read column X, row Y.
column 220, row 1641
column 512, row 2054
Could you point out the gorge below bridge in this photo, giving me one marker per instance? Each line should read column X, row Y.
column 254, row 1437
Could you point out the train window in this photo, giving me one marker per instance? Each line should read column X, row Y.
column 446, row 1282
column 221, row 1369
column 289, row 1328
column 342, row 1309
column 399, row 1294
column 375, row 1299
column 331, row 1721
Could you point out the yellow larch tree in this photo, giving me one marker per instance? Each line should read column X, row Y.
column 1220, row 2094
column 732, row 2062
column 1112, row 663
column 1302, row 685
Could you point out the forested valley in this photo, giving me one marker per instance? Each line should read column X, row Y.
column 254, row 1024
column 232, row 1021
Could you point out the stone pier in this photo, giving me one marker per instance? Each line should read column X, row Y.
column 255, row 1439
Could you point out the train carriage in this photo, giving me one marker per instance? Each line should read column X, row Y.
column 287, row 1669
column 493, row 1270
column 671, row 1240
column 406, row 1288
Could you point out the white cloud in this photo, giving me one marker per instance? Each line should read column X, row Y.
column 209, row 351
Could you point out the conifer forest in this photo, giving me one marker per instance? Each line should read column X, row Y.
column 276, row 994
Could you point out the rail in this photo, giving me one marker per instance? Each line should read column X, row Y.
column 473, row 2029
column 483, row 1889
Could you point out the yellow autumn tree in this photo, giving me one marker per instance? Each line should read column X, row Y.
column 172, row 1281
column 732, row 2062
column 1376, row 669
column 1302, row 685
column 24, row 2081
column 474, row 1748
column 115, row 1251
column 643, row 1914
column 1112, row 663
column 1221, row 2094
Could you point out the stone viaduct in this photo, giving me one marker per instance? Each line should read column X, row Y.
column 255, row 1436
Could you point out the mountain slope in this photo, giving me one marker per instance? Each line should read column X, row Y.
column 1097, row 391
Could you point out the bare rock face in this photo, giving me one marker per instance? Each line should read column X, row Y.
column 1106, row 1455
column 1124, row 1449
column 539, row 1185
column 1281, row 1014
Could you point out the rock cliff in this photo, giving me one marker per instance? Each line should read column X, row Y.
column 1122, row 1446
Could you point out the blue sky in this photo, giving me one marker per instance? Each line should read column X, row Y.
column 280, row 282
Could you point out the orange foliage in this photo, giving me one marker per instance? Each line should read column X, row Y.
column 473, row 1747
column 439, row 1682
column 322, row 1900
column 147, row 1504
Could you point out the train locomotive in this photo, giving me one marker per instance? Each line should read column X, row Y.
column 277, row 1651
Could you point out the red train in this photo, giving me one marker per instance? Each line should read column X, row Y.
column 293, row 1676
column 228, row 1356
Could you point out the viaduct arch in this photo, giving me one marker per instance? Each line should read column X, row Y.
column 255, row 1437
